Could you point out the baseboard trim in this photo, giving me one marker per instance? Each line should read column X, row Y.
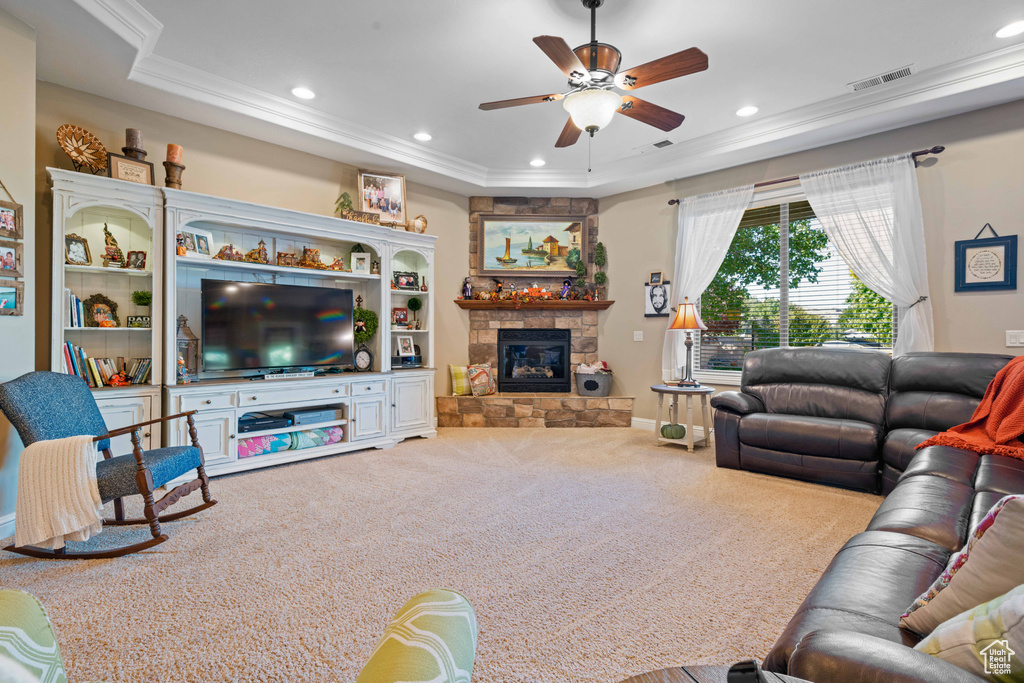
column 7, row 525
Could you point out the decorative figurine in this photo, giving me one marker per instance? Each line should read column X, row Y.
column 375, row 268
column 359, row 301
column 512, row 287
column 311, row 259
column 285, row 258
column 181, row 245
column 467, row 288
column 120, row 380
column 112, row 254
column 228, row 253
column 339, row 264
column 258, row 255
column 566, row 286
column 498, row 285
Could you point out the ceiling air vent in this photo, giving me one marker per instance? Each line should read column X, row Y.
column 882, row 79
column 663, row 143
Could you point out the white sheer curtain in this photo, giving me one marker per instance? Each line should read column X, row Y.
column 872, row 213
column 707, row 224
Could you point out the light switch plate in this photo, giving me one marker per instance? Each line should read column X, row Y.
column 1015, row 337
column 638, row 335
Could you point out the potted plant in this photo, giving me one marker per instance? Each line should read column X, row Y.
column 343, row 204
column 600, row 277
column 142, row 298
column 414, row 304
column 581, row 273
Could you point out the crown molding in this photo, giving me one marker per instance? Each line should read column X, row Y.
column 974, row 83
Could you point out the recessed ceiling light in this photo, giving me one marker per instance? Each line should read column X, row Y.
column 538, row 162
column 424, row 137
column 1010, row 30
column 303, row 93
column 746, row 111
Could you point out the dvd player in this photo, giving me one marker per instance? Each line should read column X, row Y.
column 260, row 423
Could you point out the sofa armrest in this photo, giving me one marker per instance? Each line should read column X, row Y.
column 848, row 657
column 736, row 402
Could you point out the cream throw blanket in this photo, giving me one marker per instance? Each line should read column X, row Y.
column 58, row 497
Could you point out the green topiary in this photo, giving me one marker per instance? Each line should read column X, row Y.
column 600, row 277
column 673, row 431
column 369, row 320
column 142, row 297
column 600, row 256
column 414, row 304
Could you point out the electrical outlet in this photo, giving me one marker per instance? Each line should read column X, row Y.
column 638, row 335
column 1015, row 337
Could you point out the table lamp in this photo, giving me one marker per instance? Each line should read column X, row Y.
column 688, row 319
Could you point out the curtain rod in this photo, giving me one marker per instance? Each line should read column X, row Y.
column 938, row 149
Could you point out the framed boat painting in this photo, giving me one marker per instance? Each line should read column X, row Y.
column 547, row 246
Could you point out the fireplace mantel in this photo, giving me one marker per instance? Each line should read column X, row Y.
column 538, row 305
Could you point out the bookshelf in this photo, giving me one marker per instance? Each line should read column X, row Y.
column 407, row 261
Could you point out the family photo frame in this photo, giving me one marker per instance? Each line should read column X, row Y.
column 11, row 221
column 405, row 345
column 11, row 262
column 382, row 194
column 12, row 295
column 76, row 250
column 198, row 243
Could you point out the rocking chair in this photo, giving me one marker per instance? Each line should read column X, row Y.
column 50, row 405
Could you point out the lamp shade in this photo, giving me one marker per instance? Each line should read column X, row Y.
column 687, row 317
column 592, row 109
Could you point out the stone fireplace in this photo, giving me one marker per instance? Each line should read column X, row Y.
column 533, row 360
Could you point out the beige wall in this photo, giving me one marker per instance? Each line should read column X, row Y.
column 17, row 118
column 238, row 167
column 978, row 179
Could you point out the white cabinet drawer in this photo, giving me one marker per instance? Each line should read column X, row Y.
column 269, row 395
column 368, row 388
column 207, row 401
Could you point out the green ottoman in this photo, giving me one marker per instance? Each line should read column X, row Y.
column 432, row 638
column 27, row 637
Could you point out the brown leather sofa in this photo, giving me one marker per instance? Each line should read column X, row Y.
column 847, row 629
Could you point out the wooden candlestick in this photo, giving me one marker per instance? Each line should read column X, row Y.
column 133, row 144
column 174, row 153
column 174, row 171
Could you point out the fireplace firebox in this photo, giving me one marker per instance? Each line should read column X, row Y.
column 534, row 360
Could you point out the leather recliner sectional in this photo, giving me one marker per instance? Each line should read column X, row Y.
column 847, row 629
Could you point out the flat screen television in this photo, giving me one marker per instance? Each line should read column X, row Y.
column 255, row 326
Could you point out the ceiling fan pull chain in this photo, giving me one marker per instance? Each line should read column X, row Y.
column 590, row 143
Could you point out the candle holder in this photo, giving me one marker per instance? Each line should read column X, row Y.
column 174, row 171
column 134, row 153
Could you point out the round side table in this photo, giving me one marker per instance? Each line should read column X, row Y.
column 689, row 392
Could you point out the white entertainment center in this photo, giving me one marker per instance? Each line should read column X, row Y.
column 376, row 408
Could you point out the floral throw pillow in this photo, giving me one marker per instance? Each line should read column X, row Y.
column 481, row 379
column 989, row 565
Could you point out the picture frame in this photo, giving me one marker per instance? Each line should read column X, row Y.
column 121, row 167
column 141, row 322
column 383, row 194
column 11, row 261
column 12, row 297
column 985, row 265
column 198, row 243
column 407, row 281
column 12, row 221
column 136, row 260
column 531, row 245
column 99, row 308
column 657, row 300
column 360, row 263
column 76, row 250
column 655, row 278
column 405, row 346
column 399, row 316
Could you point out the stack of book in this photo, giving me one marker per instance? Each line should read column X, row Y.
column 97, row 372
column 74, row 314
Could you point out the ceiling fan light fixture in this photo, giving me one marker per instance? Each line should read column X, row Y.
column 592, row 109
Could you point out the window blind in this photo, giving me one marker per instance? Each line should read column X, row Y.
column 784, row 284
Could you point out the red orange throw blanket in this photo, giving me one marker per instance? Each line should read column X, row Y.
column 998, row 421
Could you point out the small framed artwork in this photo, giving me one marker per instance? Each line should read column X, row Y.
column 188, row 240
column 100, row 312
column 405, row 345
column 410, row 281
column 134, row 171
column 12, row 295
column 656, row 300
column 197, row 242
column 361, row 263
column 655, row 278
column 140, row 321
column 136, row 260
column 10, row 259
column 400, row 316
column 984, row 265
column 11, row 221
column 383, row 194
column 76, row 250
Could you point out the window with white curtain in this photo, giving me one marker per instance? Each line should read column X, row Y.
column 784, row 284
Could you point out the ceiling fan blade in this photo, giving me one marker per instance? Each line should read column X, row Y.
column 651, row 114
column 565, row 59
column 501, row 104
column 570, row 134
column 673, row 66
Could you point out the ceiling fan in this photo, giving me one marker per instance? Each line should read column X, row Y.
column 591, row 100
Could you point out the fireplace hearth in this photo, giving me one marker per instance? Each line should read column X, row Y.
column 534, row 360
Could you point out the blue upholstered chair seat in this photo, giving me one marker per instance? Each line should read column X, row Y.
column 117, row 475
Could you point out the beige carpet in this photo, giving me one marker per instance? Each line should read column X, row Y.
column 589, row 555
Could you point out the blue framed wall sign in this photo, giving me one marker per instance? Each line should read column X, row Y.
column 984, row 265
